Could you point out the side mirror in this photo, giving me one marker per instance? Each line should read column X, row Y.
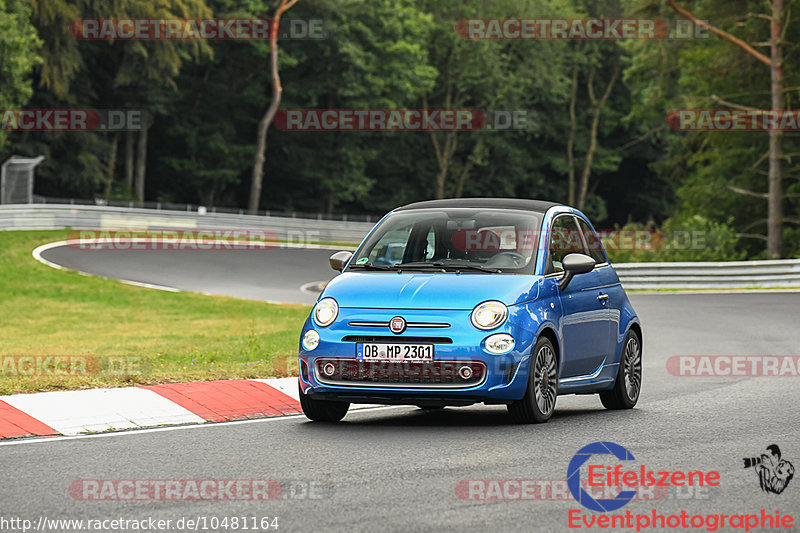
column 339, row 260
column 575, row 264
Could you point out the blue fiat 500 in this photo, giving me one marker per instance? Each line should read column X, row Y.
column 454, row 302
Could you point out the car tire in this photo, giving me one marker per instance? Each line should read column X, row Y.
column 322, row 410
column 539, row 402
column 628, row 386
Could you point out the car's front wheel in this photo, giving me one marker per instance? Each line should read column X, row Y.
column 626, row 390
column 322, row 410
column 539, row 402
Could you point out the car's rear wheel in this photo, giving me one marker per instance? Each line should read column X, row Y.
column 539, row 402
column 626, row 390
column 322, row 410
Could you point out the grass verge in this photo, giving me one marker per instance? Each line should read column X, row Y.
column 148, row 336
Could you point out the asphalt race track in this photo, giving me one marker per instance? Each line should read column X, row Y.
column 398, row 468
column 273, row 274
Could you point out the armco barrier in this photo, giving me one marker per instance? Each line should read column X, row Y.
column 704, row 275
column 710, row 275
column 50, row 216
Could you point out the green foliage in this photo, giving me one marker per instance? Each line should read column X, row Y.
column 703, row 168
column 693, row 238
column 132, row 62
column 207, row 98
column 18, row 55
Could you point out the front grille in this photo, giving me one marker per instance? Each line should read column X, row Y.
column 396, row 339
column 444, row 374
column 377, row 324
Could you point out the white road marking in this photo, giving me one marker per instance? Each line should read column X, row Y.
column 150, row 286
column 760, row 290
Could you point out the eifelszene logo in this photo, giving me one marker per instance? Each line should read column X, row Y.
column 574, row 476
column 602, row 478
column 774, row 473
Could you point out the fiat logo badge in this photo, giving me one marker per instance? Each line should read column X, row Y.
column 397, row 324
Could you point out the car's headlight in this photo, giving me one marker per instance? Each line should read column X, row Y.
column 499, row 343
column 489, row 315
column 325, row 312
column 310, row 340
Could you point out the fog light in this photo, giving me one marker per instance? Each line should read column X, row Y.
column 310, row 340
column 465, row 372
column 329, row 369
column 500, row 343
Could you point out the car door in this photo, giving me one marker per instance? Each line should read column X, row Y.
column 610, row 288
column 585, row 327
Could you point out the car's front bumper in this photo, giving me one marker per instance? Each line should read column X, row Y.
column 504, row 376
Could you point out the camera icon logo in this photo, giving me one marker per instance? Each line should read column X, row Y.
column 774, row 473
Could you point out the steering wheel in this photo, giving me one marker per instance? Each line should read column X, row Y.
column 518, row 258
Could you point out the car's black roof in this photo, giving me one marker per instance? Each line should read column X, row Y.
column 540, row 206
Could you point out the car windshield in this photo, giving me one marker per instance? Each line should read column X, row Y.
column 467, row 240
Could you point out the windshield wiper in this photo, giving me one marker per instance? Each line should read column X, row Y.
column 476, row 267
column 419, row 266
column 439, row 265
column 368, row 266
column 397, row 267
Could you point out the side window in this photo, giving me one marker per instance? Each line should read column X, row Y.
column 391, row 248
column 564, row 239
column 594, row 248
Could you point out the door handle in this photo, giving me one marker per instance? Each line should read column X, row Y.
column 603, row 298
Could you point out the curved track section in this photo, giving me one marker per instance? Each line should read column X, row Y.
column 283, row 274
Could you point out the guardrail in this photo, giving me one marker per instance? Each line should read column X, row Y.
column 701, row 275
column 171, row 206
column 708, row 275
column 50, row 216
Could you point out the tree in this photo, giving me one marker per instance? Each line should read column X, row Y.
column 774, row 61
column 269, row 115
column 18, row 55
column 374, row 57
column 121, row 74
column 492, row 75
column 596, row 59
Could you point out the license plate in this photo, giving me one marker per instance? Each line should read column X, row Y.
column 369, row 351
